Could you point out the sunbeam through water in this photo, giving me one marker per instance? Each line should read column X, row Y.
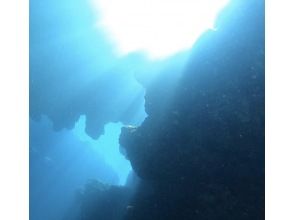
column 160, row 28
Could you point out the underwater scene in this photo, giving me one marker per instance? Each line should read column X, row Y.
column 147, row 110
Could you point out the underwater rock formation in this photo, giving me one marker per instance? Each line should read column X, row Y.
column 202, row 152
column 101, row 201
column 74, row 71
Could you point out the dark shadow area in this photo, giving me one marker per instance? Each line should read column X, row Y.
column 202, row 152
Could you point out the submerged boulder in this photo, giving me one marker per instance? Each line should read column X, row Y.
column 102, row 201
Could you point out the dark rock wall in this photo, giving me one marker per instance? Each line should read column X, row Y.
column 201, row 148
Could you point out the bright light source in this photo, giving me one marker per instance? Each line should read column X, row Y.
column 158, row 27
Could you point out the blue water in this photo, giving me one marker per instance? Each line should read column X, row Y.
column 82, row 92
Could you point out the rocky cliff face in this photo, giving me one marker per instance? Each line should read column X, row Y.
column 201, row 148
